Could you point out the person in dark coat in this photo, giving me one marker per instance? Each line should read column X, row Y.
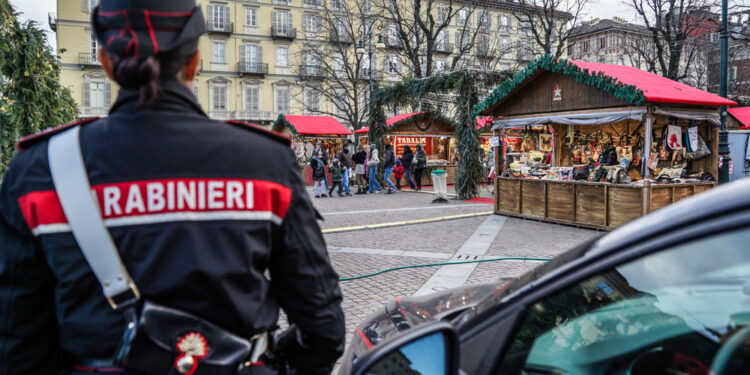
column 318, row 174
column 406, row 161
column 420, row 166
column 388, row 164
column 346, row 163
column 209, row 218
column 360, row 159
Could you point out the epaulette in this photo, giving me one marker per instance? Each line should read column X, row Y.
column 269, row 133
column 29, row 140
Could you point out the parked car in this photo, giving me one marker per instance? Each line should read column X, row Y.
column 668, row 293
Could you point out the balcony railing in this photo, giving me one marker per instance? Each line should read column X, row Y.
column 311, row 71
column 85, row 112
column 444, row 47
column 86, row 58
column 283, row 32
column 220, row 27
column 341, row 37
column 219, row 115
column 255, row 115
column 364, row 74
column 252, row 67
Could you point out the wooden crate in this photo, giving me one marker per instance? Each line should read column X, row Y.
column 510, row 193
column 560, row 198
column 533, row 198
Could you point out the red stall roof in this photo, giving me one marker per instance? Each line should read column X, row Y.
column 392, row 120
column 481, row 122
column 742, row 114
column 656, row 89
column 316, row 125
column 364, row 130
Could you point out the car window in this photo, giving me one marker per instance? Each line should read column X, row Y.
column 668, row 312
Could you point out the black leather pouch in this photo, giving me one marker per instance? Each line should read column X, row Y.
column 162, row 340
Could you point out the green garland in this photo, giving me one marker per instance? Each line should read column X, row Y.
column 281, row 120
column 629, row 93
column 467, row 86
column 419, row 116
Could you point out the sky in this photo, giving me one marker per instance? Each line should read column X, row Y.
column 37, row 10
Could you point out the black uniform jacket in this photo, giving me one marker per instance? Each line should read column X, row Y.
column 199, row 211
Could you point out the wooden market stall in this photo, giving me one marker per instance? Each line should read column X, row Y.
column 306, row 132
column 625, row 142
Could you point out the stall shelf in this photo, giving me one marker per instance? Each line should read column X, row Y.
column 586, row 98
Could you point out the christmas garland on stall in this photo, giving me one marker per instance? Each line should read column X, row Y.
column 611, row 85
column 281, row 120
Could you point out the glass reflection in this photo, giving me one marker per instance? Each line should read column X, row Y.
column 425, row 356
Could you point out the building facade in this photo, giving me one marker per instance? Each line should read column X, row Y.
column 738, row 63
column 254, row 60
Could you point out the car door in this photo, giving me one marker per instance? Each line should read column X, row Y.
column 667, row 305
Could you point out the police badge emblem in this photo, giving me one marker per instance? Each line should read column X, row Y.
column 192, row 347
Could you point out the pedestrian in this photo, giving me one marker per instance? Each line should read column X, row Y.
column 421, row 164
column 345, row 159
column 319, row 148
column 207, row 225
column 337, row 172
column 406, row 161
column 372, row 166
column 398, row 172
column 318, row 175
column 388, row 164
column 359, row 159
column 490, row 164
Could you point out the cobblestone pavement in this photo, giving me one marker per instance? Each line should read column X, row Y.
column 360, row 252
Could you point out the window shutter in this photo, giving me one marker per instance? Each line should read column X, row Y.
column 243, row 53
column 274, row 19
column 226, row 16
column 85, row 6
column 259, row 58
column 107, row 94
column 86, row 94
column 290, row 23
column 210, row 11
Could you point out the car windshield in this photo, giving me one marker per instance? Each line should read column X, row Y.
column 677, row 303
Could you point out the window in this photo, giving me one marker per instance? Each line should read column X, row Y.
column 602, row 43
column 281, row 22
column 218, row 17
column 570, row 49
column 462, row 39
column 219, row 97
column 282, row 56
column 283, row 98
column 93, row 47
column 441, row 40
column 251, row 56
column 585, row 46
column 89, row 5
column 524, row 27
column 97, row 91
column 251, row 17
column 667, row 312
column 311, row 23
column 219, row 52
column 442, row 14
column 394, row 64
column 195, row 88
column 504, row 23
column 463, row 18
column 338, row 62
column 485, row 21
column 311, row 3
column 251, row 94
column 366, row 5
column 366, row 66
column 392, row 35
column 733, row 74
column 440, row 66
column 505, row 45
column 337, row 5
column 312, row 100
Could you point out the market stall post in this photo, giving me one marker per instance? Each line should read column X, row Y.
column 599, row 99
column 306, row 132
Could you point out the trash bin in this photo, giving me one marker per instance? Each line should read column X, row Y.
column 440, row 184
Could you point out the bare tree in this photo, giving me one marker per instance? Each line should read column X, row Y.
column 548, row 23
column 676, row 39
column 333, row 76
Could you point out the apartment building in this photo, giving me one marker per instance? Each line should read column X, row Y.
column 253, row 60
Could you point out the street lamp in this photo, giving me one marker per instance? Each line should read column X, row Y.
column 723, row 138
column 361, row 51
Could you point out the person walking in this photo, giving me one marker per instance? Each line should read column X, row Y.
column 406, row 161
column 346, row 162
column 398, row 172
column 489, row 162
column 324, row 158
column 372, row 166
column 318, row 175
column 359, row 159
column 420, row 166
column 388, row 164
column 207, row 224
column 337, row 172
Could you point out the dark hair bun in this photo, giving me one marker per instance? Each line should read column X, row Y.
column 139, row 74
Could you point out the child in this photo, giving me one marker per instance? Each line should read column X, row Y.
column 398, row 172
column 337, row 177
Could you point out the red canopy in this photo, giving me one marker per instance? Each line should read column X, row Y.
column 481, row 122
column 392, row 120
column 656, row 89
column 316, row 125
column 742, row 114
column 364, row 130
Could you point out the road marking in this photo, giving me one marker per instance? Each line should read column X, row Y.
column 398, row 253
column 475, row 247
column 401, row 209
column 407, row 222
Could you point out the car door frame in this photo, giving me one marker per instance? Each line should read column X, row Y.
column 509, row 316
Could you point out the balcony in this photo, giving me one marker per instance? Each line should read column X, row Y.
column 485, row 52
column 444, row 47
column 341, row 37
column 364, row 75
column 311, row 72
column 283, row 32
column 252, row 68
column 255, row 115
column 219, row 115
column 87, row 59
column 220, row 27
column 87, row 112
column 52, row 18
column 392, row 42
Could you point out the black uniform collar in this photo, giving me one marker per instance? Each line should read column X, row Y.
column 173, row 96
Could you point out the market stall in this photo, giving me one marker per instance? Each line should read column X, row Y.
column 620, row 142
column 306, row 132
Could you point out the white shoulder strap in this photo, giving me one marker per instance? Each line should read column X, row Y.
column 84, row 217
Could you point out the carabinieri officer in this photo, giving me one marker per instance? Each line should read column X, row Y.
column 199, row 211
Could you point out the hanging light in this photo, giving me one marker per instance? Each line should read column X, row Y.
column 380, row 43
column 360, row 47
